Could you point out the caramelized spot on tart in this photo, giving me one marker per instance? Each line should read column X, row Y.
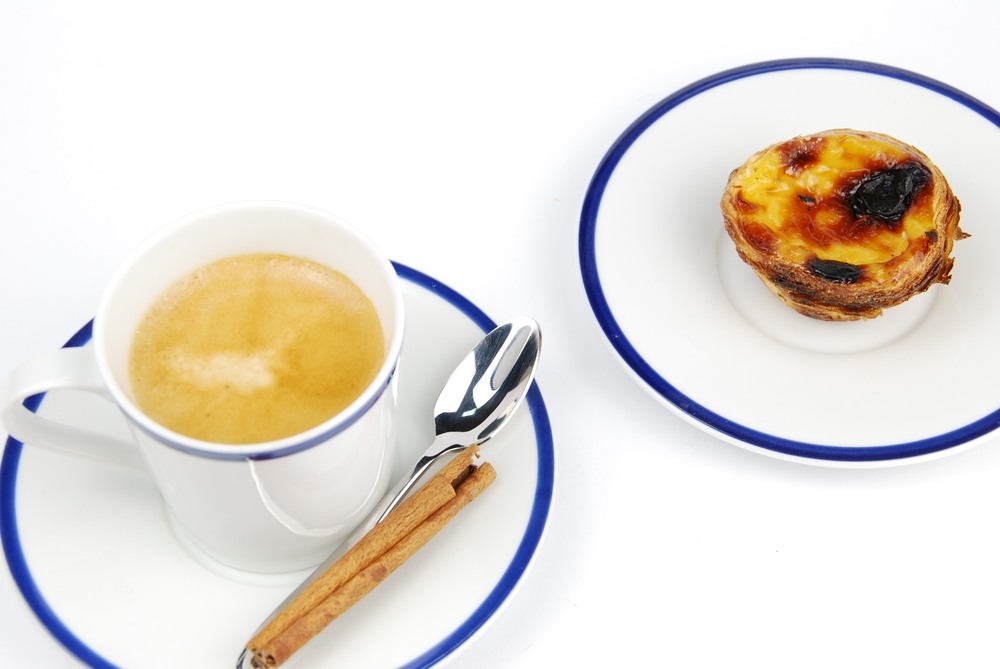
column 886, row 194
column 800, row 153
column 741, row 203
column 834, row 271
column 760, row 237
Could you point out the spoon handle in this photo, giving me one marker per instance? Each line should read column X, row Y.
column 390, row 501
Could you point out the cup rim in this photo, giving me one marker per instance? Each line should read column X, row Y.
column 265, row 450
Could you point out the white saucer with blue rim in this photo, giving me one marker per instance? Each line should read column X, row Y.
column 698, row 330
column 91, row 549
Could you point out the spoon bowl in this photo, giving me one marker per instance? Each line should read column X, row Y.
column 487, row 386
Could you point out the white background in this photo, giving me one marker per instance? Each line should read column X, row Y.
column 462, row 137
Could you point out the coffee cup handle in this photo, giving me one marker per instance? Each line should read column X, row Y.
column 65, row 368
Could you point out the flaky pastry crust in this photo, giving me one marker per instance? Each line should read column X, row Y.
column 843, row 224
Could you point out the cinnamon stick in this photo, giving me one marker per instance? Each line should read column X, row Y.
column 279, row 649
column 402, row 528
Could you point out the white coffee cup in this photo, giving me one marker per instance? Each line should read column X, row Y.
column 269, row 507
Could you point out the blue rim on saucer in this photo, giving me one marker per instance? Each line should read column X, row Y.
column 654, row 378
column 21, row 571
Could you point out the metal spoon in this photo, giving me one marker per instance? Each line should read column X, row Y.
column 477, row 400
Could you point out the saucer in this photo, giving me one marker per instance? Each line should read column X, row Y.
column 92, row 552
column 697, row 329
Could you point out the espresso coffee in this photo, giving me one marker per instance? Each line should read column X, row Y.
column 254, row 348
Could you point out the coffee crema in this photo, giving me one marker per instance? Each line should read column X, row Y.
column 254, row 348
